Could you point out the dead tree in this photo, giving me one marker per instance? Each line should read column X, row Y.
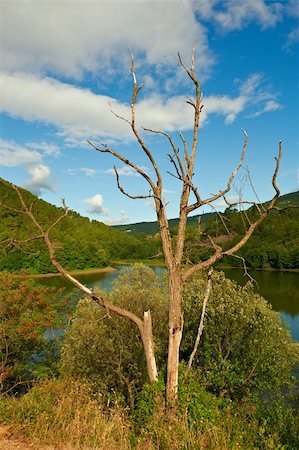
column 183, row 166
column 177, row 271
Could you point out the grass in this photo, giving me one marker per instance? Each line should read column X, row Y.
column 66, row 414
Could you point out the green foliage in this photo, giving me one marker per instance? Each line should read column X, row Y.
column 79, row 242
column 26, row 312
column 275, row 242
column 244, row 352
column 108, row 350
column 245, row 348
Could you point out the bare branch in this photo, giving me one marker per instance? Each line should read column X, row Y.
column 246, row 273
column 143, row 326
column 252, row 187
column 229, row 183
column 175, row 149
column 136, row 90
column 186, row 157
column 221, row 218
column 125, row 193
column 118, row 116
column 126, row 161
column 201, row 322
column 65, row 213
column 18, row 244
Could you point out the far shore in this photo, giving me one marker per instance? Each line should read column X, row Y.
column 76, row 272
column 147, row 263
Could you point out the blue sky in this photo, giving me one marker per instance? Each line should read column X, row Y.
column 63, row 63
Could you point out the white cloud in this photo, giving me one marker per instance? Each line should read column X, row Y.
column 88, row 171
column 292, row 38
column 271, row 105
column 70, row 38
column 71, row 171
column 127, row 171
column 235, row 15
column 13, row 154
column 39, row 180
column 80, row 114
column 46, row 148
column 96, row 205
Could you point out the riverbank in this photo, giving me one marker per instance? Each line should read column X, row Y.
column 75, row 272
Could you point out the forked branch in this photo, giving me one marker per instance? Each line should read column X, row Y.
column 219, row 254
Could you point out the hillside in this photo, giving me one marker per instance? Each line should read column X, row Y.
column 150, row 228
column 275, row 244
column 80, row 243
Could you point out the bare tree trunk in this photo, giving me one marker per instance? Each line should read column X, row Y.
column 175, row 337
column 148, row 345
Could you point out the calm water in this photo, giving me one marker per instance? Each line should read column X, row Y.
column 281, row 289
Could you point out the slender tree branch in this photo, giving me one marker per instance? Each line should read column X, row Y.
column 126, row 161
column 229, row 183
column 134, row 197
column 201, row 322
column 175, row 149
column 149, row 155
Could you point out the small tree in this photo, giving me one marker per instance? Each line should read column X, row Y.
column 178, row 272
column 27, row 311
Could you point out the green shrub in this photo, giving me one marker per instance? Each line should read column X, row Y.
column 245, row 348
column 108, row 351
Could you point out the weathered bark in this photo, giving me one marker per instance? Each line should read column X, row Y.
column 148, row 344
column 175, row 332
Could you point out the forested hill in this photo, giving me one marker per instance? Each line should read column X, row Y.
column 275, row 243
column 80, row 243
column 150, row 228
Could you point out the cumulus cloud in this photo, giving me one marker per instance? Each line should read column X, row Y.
column 39, row 180
column 79, row 113
column 234, row 15
column 96, row 205
column 69, row 38
column 13, row 154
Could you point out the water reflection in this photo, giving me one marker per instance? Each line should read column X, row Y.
column 281, row 289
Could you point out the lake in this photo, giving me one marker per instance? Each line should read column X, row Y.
column 281, row 289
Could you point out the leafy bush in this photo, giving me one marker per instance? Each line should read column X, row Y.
column 245, row 348
column 108, row 350
column 27, row 310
